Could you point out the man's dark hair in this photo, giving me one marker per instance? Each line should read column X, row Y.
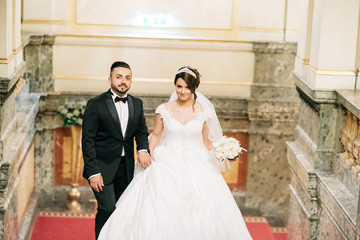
column 119, row 64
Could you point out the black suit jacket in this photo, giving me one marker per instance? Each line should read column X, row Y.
column 102, row 138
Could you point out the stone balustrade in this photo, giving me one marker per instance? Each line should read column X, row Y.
column 325, row 164
column 350, row 138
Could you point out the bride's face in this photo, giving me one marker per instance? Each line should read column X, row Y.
column 182, row 90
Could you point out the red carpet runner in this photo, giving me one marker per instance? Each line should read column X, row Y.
column 280, row 233
column 61, row 226
column 259, row 228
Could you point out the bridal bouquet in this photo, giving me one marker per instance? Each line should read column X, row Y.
column 226, row 148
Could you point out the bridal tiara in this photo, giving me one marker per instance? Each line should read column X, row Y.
column 186, row 70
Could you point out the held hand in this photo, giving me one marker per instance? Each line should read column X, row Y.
column 144, row 159
column 234, row 159
column 97, row 183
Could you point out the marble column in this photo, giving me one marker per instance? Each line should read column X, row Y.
column 273, row 114
column 38, row 57
column 328, row 44
column 11, row 59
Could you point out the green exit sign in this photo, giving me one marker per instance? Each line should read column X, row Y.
column 154, row 20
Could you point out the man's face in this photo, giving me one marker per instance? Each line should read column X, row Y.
column 120, row 80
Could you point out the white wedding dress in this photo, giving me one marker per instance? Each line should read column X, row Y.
column 181, row 195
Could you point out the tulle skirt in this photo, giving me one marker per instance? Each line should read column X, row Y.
column 181, row 195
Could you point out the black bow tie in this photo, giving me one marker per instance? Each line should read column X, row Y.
column 124, row 99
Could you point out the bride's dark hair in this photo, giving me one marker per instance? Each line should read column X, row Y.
column 186, row 73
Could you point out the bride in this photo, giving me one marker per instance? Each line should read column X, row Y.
column 182, row 194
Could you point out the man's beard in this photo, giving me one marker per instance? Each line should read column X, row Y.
column 115, row 89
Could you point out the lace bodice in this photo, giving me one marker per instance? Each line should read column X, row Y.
column 178, row 135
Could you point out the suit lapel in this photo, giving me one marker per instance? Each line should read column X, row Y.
column 111, row 107
column 131, row 114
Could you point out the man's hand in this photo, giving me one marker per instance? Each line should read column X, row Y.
column 97, row 183
column 144, row 159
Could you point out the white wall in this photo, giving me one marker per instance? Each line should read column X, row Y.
column 243, row 20
column 212, row 35
column 226, row 67
column 169, row 13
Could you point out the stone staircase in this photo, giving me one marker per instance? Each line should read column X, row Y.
column 17, row 119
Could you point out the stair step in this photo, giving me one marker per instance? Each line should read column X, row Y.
column 259, row 228
column 280, row 233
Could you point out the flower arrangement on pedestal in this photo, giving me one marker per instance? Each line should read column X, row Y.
column 72, row 114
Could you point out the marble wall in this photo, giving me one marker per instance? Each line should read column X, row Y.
column 273, row 114
column 46, row 123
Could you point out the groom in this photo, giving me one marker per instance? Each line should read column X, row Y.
column 111, row 121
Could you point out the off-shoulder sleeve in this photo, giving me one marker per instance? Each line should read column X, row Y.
column 161, row 110
column 206, row 114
